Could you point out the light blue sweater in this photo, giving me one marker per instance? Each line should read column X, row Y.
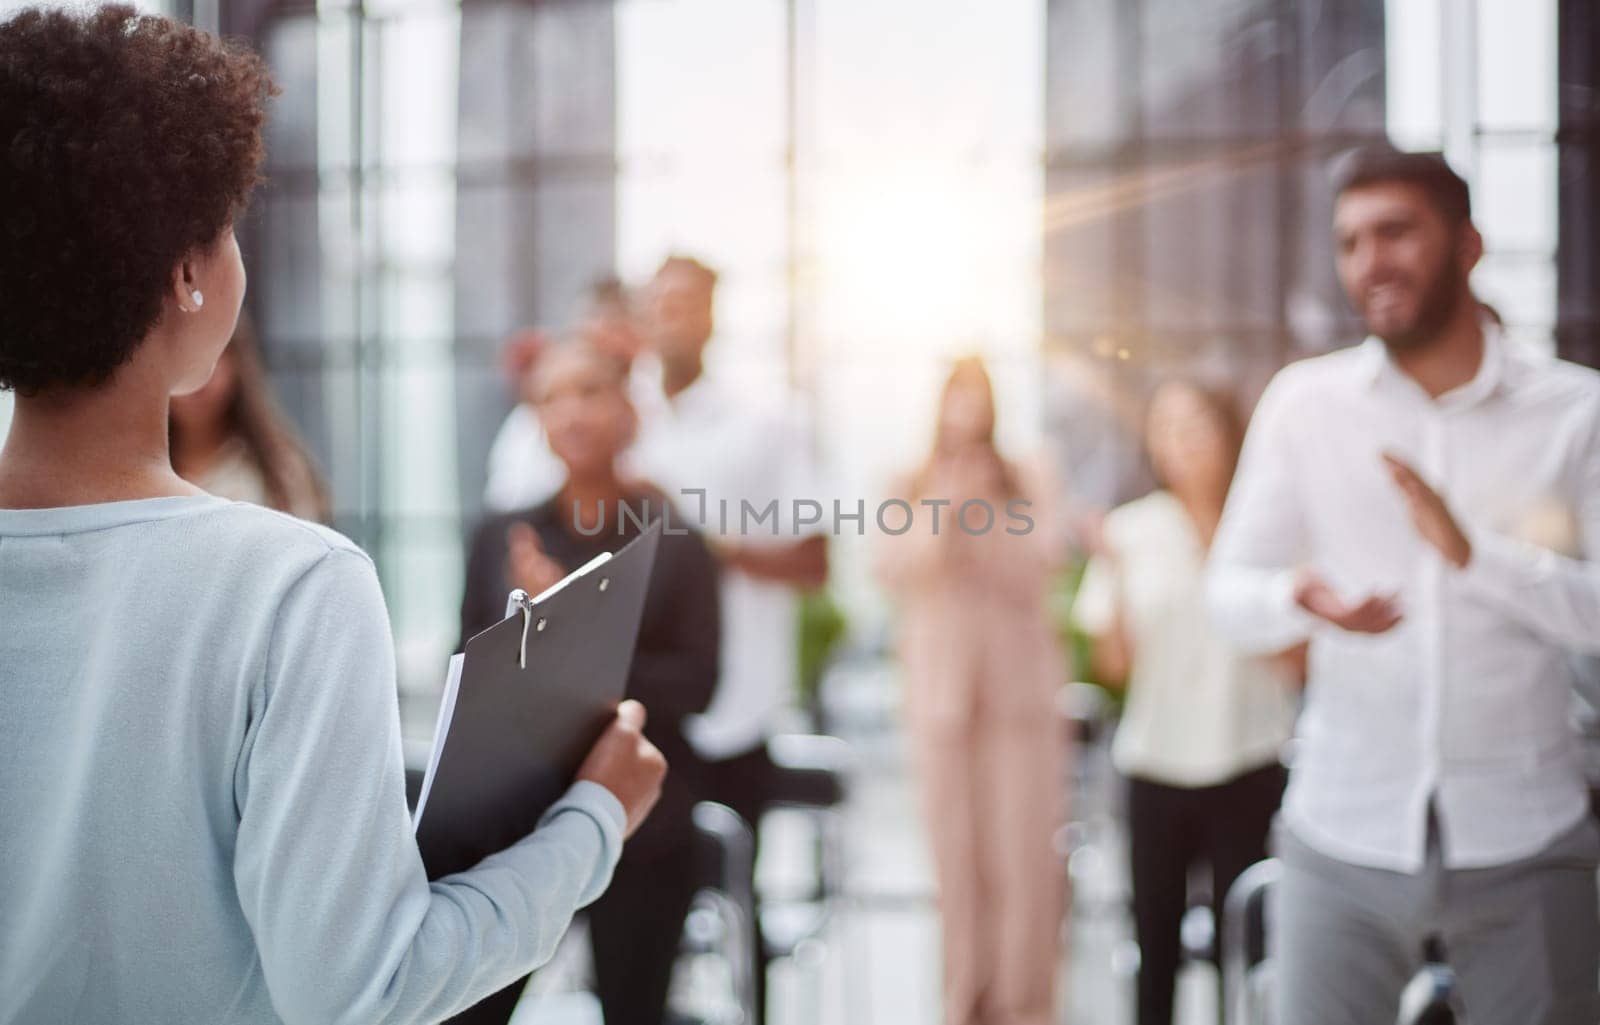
column 202, row 808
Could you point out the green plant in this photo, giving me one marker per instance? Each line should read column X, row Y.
column 821, row 626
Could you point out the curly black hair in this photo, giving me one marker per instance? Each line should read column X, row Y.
column 127, row 142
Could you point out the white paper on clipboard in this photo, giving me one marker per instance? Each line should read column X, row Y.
column 441, row 729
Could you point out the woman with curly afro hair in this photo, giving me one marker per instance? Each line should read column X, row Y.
column 202, row 805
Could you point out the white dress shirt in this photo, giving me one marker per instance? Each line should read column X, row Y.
column 706, row 438
column 1465, row 702
column 523, row 472
column 1199, row 712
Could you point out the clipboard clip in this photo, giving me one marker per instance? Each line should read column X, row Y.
column 519, row 599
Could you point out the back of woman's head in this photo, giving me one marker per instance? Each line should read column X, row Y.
column 127, row 142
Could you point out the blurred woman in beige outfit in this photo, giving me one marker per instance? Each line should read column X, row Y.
column 982, row 663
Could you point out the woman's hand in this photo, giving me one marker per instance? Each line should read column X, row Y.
column 972, row 472
column 527, row 566
column 626, row 764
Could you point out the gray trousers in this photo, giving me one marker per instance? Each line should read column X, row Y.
column 1523, row 938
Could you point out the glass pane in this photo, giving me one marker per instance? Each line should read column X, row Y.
column 1341, row 73
column 1085, row 71
column 969, row 78
column 336, row 33
column 494, row 227
column 681, row 88
column 486, row 100
column 701, row 135
column 1413, row 34
column 417, row 444
column 417, row 83
column 1514, row 196
column 416, row 214
column 1210, row 69
column 1086, row 213
column 416, row 314
column 730, row 217
column 1522, row 290
column 285, row 282
column 927, row 259
column 1195, row 213
column 536, row 79
column 483, row 398
column 572, row 246
column 422, row 572
column 1517, row 64
column 396, row 9
column 290, row 48
column 567, row 91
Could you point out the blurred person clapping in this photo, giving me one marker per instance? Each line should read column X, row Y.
column 1203, row 724
column 580, row 395
column 982, row 663
column 1382, row 510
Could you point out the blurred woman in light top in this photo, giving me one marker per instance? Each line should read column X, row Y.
column 982, row 663
column 1201, row 732
column 231, row 439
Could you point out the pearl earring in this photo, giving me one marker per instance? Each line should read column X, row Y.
column 199, row 300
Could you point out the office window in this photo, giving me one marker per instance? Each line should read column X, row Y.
column 1186, row 225
column 1482, row 88
column 701, row 144
column 352, row 244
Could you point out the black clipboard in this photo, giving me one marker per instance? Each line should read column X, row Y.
column 535, row 692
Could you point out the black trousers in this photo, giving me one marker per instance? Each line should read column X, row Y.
column 635, row 929
column 1173, row 829
column 745, row 784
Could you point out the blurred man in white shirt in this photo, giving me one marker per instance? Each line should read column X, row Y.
column 735, row 468
column 1379, row 510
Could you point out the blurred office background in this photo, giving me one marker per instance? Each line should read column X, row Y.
column 1091, row 193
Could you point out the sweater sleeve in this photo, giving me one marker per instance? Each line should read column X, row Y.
column 347, row 926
